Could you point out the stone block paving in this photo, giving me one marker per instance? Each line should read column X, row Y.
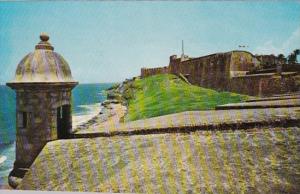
column 262, row 104
column 286, row 97
column 264, row 160
column 201, row 119
column 178, row 153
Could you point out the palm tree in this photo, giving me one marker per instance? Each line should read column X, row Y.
column 296, row 53
column 280, row 61
column 292, row 58
column 281, row 58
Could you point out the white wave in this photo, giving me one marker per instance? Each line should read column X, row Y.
column 2, row 159
column 93, row 110
column 90, row 108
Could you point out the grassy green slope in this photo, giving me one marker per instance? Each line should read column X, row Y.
column 166, row 94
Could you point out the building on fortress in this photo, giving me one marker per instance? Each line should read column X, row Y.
column 229, row 71
column 213, row 71
column 43, row 84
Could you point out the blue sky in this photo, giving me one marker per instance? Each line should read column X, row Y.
column 111, row 41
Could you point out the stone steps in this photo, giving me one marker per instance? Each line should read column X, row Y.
column 274, row 98
column 198, row 120
column 285, row 103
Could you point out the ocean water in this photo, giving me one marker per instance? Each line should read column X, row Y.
column 83, row 96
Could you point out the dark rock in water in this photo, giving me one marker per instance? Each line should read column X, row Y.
column 14, row 181
column 106, row 103
column 119, row 94
column 115, row 101
column 15, row 177
column 112, row 95
column 113, row 87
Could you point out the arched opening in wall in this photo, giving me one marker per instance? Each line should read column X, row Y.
column 63, row 121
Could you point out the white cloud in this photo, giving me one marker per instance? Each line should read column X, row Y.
column 292, row 43
column 267, row 48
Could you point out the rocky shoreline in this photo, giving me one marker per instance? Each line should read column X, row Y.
column 108, row 111
column 92, row 111
column 102, row 116
column 121, row 93
column 118, row 94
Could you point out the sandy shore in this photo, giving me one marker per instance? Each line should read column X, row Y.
column 92, row 111
column 109, row 118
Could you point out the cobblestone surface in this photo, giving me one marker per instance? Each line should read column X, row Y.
column 198, row 118
column 262, row 104
column 262, row 160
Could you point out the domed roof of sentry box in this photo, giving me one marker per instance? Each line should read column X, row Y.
column 43, row 66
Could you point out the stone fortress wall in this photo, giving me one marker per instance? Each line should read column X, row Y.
column 203, row 71
column 227, row 72
column 145, row 72
column 263, row 84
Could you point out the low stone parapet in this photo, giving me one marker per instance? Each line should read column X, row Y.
column 146, row 72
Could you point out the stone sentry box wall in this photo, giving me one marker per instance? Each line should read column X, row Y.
column 43, row 83
column 39, row 107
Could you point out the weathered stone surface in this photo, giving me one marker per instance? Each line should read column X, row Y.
column 145, row 72
column 264, row 160
column 203, row 120
column 14, row 181
column 263, row 84
column 262, row 104
column 43, row 83
column 113, row 95
column 227, row 71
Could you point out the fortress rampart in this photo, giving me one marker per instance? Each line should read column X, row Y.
column 227, row 72
column 145, row 72
column 263, row 84
column 209, row 71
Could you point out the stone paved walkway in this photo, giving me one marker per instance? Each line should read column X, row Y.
column 274, row 98
column 264, row 160
column 200, row 119
column 262, row 104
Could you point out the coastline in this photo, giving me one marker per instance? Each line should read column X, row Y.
column 92, row 111
column 7, row 158
column 112, row 112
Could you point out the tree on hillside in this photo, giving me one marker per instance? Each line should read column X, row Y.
column 297, row 52
column 281, row 58
column 280, row 61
